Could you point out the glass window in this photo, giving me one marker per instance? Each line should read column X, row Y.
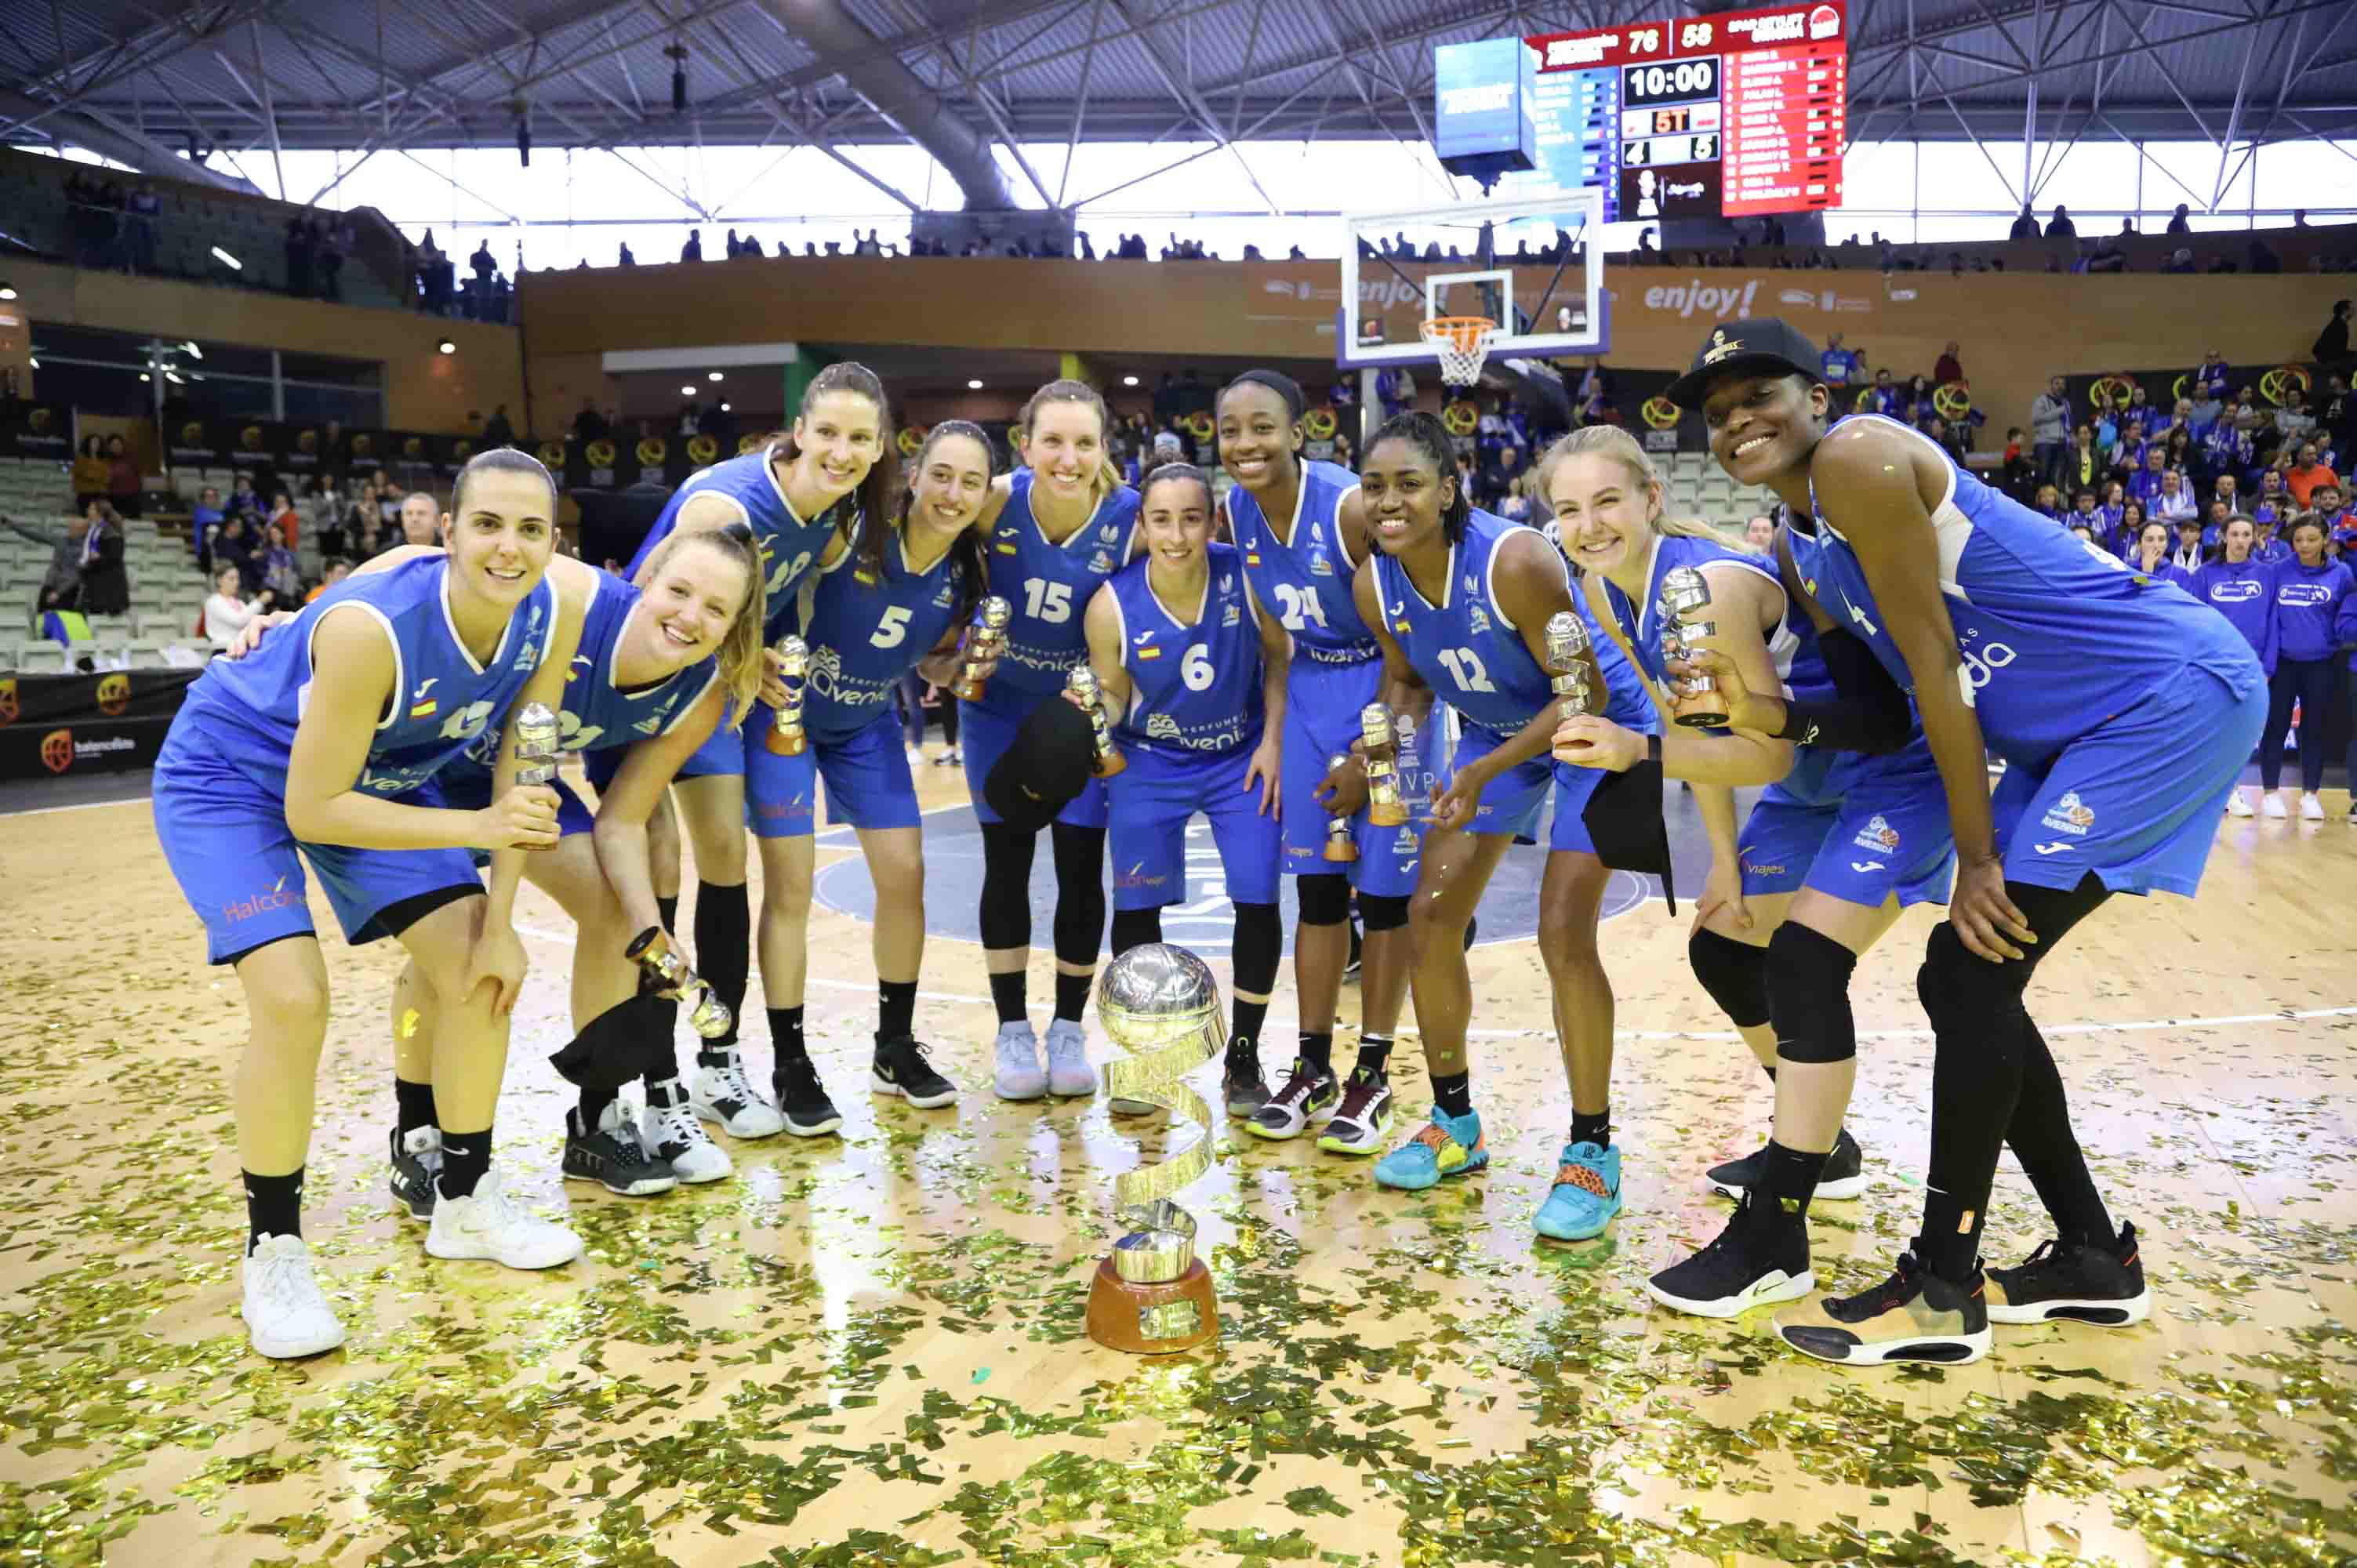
column 313, row 406
column 225, row 397
column 330, row 370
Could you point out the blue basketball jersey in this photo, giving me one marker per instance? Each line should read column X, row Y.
column 1049, row 585
column 2055, row 635
column 1802, row 678
column 1195, row 685
column 442, row 700
column 790, row 547
column 866, row 632
column 1304, row 578
column 599, row 714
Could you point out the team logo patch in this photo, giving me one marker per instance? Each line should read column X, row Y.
column 1101, row 562
column 1234, row 615
column 2070, row 815
column 1318, row 565
column 1878, row 834
column 1476, row 619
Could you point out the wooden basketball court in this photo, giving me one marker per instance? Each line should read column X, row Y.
column 870, row 1350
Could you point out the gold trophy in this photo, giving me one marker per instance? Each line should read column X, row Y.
column 1339, row 844
column 1567, row 660
column 985, row 640
column 537, row 732
column 1151, row 1295
column 670, row 978
column 785, row 737
column 1683, row 591
column 1384, row 807
column 1082, row 684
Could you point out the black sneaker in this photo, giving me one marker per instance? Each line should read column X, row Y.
column 809, row 1112
column 1246, row 1089
column 1302, row 1095
column 1913, row 1315
column 900, row 1069
column 416, row 1162
column 2077, row 1284
column 1845, row 1178
column 1762, row 1256
column 612, row 1157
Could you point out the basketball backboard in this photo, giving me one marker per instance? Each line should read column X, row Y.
column 1534, row 265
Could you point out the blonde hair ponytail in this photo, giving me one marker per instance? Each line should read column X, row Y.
column 739, row 655
column 1611, row 441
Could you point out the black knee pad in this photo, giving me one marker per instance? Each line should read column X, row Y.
column 1004, row 916
column 618, row 1045
column 1079, row 925
column 1136, row 927
column 1258, row 943
column 1324, row 899
column 1961, row 992
column 1735, row 973
column 1808, row 996
column 1381, row 912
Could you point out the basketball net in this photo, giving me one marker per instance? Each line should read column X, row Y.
column 1463, row 344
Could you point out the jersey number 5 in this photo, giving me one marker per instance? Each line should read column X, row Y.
column 1465, row 666
column 893, row 627
column 1298, row 607
column 1046, row 601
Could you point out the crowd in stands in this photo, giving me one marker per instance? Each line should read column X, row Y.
column 484, row 296
column 317, row 245
column 112, row 226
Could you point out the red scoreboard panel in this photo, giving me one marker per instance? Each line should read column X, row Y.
column 1736, row 114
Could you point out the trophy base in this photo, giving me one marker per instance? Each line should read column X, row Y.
column 966, row 691
column 788, row 744
column 1387, row 816
column 1340, row 851
column 1153, row 1319
column 1703, row 721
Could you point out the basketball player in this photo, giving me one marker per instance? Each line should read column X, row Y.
column 1837, row 844
column 1302, row 530
column 1460, row 600
column 800, row 495
column 1058, row 526
column 304, row 747
column 2124, row 709
column 895, row 602
column 1193, row 674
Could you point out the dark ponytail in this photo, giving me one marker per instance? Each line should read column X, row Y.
column 1174, row 472
column 874, row 497
column 502, row 460
column 968, row 571
column 1430, row 436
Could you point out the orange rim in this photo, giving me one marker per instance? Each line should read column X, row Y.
column 1465, row 331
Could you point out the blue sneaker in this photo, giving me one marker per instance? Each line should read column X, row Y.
column 1447, row 1146
column 1586, row 1195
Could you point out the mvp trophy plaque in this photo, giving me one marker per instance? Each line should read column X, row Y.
column 1152, row 1295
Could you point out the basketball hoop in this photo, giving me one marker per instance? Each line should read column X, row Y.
column 1463, row 344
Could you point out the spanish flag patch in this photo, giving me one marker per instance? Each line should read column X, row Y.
column 1252, row 557
column 1008, row 550
column 1401, row 626
column 424, row 709
column 867, row 578
column 1149, row 651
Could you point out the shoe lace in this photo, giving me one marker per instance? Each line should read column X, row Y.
column 1434, row 1136
column 283, row 1278
column 1299, row 1084
column 1064, row 1041
column 497, row 1210
column 734, row 1084
column 1906, row 1278
column 678, row 1128
column 1360, row 1093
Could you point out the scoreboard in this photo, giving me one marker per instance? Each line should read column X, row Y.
column 1735, row 115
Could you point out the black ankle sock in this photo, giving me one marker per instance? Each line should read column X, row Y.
column 786, row 1031
column 1317, row 1052
column 1375, row 1053
column 1595, row 1129
column 1245, row 1049
column 1249, row 1017
column 1007, row 994
column 668, row 909
column 1072, row 994
column 413, row 1105
column 895, row 1009
column 593, row 1106
column 466, row 1160
column 1453, row 1093
column 274, row 1206
column 1793, row 1174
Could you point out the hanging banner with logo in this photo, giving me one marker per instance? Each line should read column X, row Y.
column 37, row 430
column 52, row 724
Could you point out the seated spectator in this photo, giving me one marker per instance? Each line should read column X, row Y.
column 1884, row 397
column 420, row 520
column 336, row 571
column 2082, row 512
column 227, row 609
column 241, row 493
column 234, row 545
column 2306, row 473
column 2049, row 503
column 628, row 260
column 61, row 585
column 2179, row 261
column 498, row 430
column 2145, row 482
column 2191, row 552
column 2120, row 537
column 285, row 518
column 2111, row 508
column 204, row 517
column 2148, row 556
column 1950, row 368
column 2174, row 499
column 282, row 579
column 2274, row 499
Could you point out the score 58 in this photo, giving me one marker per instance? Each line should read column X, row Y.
column 1693, row 35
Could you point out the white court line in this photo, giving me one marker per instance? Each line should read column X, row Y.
column 76, row 806
column 2222, row 1021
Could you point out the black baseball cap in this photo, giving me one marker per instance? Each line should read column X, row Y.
column 1764, row 346
column 1052, row 759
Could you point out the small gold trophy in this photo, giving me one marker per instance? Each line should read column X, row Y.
column 1151, row 1295
column 1567, row 662
column 1082, row 684
column 537, row 732
column 785, row 737
column 985, row 640
column 1339, row 844
column 1384, row 807
column 1684, row 591
column 671, row 980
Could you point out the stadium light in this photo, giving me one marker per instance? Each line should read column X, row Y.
column 446, row 347
column 7, row 290
column 1130, row 381
column 723, row 408
column 714, row 376
column 687, row 391
column 973, row 386
column 227, row 260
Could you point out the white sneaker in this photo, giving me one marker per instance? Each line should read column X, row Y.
column 1018, row 1075
column 286, row 1315
column 2238, row 805
column 1069, row 1072
column 916, row 756
column 723, row 1094
column 2311, row 810
column 2271, row 805
column 489, row 1225
column 671, row 1130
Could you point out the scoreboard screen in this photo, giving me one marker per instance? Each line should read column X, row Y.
column 1734, row 114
